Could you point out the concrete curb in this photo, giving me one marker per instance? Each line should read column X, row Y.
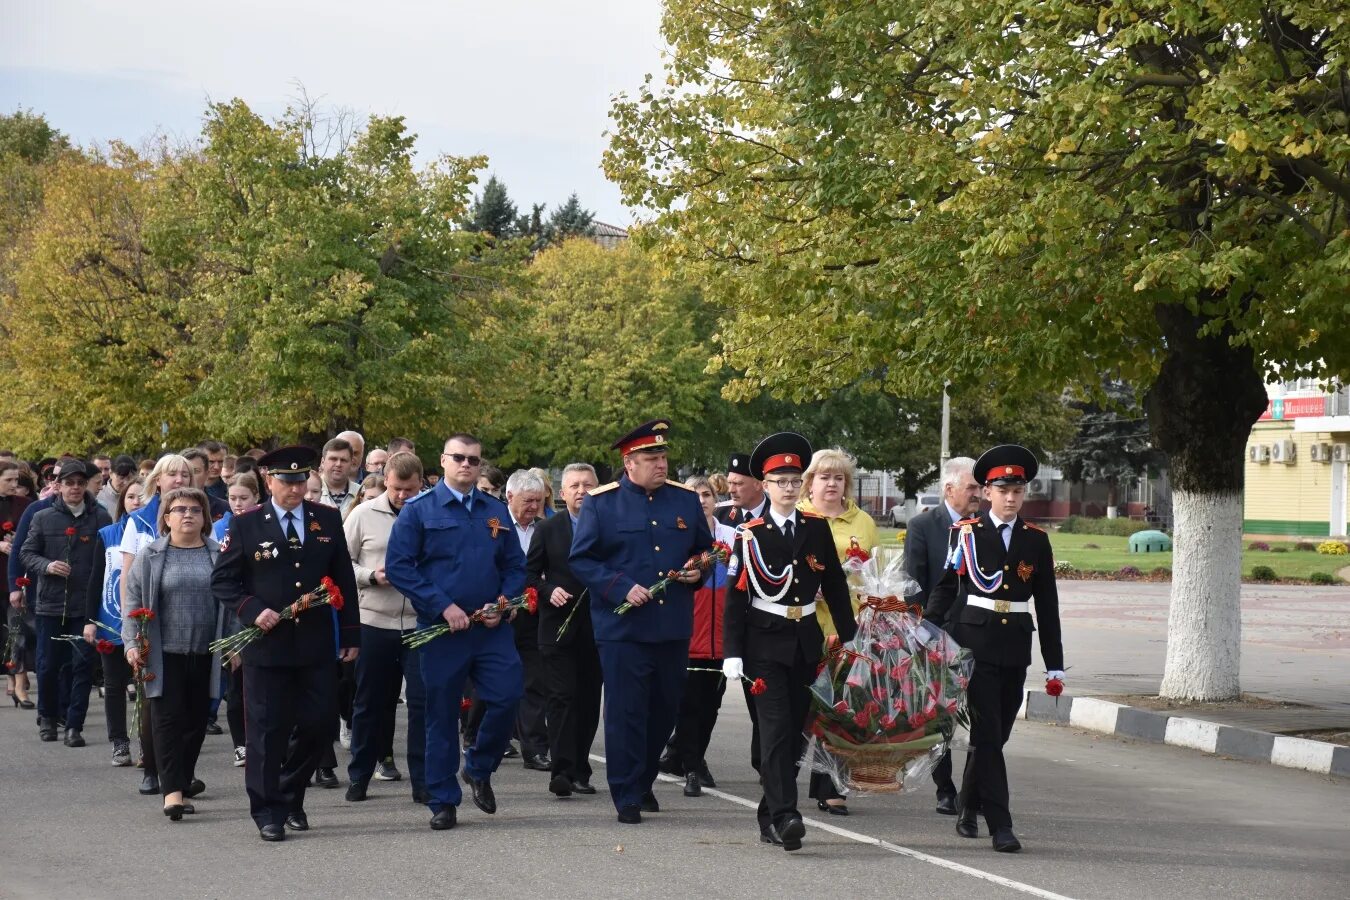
column 1112, row 718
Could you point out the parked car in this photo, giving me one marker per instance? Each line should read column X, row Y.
column 900, row 514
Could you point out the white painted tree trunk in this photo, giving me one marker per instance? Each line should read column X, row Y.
column 1204, row 623
column 1112, row 512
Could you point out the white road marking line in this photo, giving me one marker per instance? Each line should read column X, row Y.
column 882, row 844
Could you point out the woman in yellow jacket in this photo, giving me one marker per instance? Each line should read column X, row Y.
column 828, row 492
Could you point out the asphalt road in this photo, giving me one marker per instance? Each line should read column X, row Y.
column 1099, row 818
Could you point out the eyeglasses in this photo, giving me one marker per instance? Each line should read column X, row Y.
column 784, row 482
column 461, row 458
column 187, row 512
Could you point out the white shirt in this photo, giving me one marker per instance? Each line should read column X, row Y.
column 525, row 533
column 781, row 520
column 956, row 516
column 1007, row 535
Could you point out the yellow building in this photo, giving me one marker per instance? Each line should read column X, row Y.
column 1297, row 457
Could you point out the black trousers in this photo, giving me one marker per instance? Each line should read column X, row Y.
column 234, row 703
column 994, row 696
column 116, row 677
column 383, row 665
column 290, row 716
column 942, row 776
column 782, row 710
column 573, row 681
column 178, row 717
column 702, row 699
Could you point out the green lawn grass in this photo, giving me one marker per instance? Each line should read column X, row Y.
column 1111, row 553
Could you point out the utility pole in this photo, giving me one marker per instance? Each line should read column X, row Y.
column 946, row 426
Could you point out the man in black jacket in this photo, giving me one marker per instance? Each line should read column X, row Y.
column 998, row 564
column 58, row 554
column 571, row 661
column 925, row 552
column 272, row 555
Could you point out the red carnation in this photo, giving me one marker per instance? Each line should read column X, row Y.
column 465, row 704
column 23, row 581
column 1054, row 687
column 335, row 598
column 143, row 614
column 758, row 687
column 6, row 526
column 70, row 531
column 531, row 600
column 104, row 646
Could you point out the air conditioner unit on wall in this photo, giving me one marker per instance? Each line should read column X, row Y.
column 1258, row 453
column 1283, row 452
column 1340, row 452
column 1320, row 453
column 1037, row 486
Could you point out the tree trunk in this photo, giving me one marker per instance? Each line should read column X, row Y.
column 1201, row 409
column 1112, row 497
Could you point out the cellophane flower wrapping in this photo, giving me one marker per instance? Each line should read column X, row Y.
column 885, row 704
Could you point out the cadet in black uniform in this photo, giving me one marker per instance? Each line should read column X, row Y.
column 271, row 555
column 997, row 562
column 770, row 630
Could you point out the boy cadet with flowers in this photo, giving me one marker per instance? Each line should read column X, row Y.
column 770, row 630
column 272, row 555
column 997, row 563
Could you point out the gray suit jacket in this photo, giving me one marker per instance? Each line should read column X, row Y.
column 926, row 549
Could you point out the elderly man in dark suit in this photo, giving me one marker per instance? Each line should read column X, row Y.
column 571, row 661
column 925, row 553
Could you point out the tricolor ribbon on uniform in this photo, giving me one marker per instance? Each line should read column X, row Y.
column 964, row 561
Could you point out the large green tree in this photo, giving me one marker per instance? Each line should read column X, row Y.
column 1018, row 194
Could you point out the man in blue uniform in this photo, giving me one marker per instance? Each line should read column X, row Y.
column 452, row 552
column 271, row 555
column 631, row 534
column 998, row 563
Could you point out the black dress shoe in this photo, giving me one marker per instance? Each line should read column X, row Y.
column 649, row 803
column 356, row 792
column 326, row 778
column 46, row 729
column 443, row 820
column 705, row 777
column 196, row 787
column 189, row 809
column 509, row 753
column 1005, row 841
column 792, row 831
column 74, row 738
column 834, row 809
column 560, row 785
column 213, row 728
column 946, row 805
column 149, row 785
column 669, row 765
column 483, row 798
column 967, row 825
column 692, row 786
column 272, row 833
column 420, row 796
column 174, row 811
column 630, row 815
column 538, row 763
column 297, row 821
column 769, row 835
column 582, row 787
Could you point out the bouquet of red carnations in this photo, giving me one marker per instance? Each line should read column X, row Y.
column 326, row 594
column 886, row 703
column 528, row 601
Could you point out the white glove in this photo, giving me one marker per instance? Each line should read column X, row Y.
column 1055, row 674
column 733, row 668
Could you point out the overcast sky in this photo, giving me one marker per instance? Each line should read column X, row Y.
column 528, row 82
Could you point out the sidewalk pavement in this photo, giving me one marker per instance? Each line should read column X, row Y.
column 1295, row 654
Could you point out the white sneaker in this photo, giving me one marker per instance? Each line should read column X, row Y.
column 345, row 735
column 238, row 757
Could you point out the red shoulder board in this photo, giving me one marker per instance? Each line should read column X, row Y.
column 966, row 522
column 1033, row 526
column 752, row 523
column 807, row 514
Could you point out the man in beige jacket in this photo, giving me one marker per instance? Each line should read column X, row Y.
column 386, row 616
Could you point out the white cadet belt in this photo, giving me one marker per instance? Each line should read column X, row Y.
column 788, row 612
column 1002, row 606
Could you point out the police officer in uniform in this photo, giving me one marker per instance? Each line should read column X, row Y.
column 769, row 629
column 630, row 534
column 271, row 555
column 998, row 565
column 749, row 500
column 452, row 552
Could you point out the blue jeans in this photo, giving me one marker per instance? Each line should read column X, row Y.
column 383, row 663
column 65, row 671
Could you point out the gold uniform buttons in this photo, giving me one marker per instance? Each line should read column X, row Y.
column 1005, row 568
column 653, row 521
column 1005, row 621
column 297, row 584
column 657, row 549
column 1005, row 587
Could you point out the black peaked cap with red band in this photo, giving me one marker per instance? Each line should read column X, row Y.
column 786, row 450
column 1006, row 464
column 649, row 437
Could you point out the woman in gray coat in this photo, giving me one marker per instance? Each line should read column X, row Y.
column 171, row 577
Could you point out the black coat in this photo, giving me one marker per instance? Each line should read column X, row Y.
column 548, row 568
column 753, row 633
column 47, row 542
column 1028, row 566
column 926, row 540
column 250, row 577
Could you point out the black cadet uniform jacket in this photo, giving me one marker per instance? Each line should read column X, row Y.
column 1028, row 566
column 258, row 570
column 750, row 632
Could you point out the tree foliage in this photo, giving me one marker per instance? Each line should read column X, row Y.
column 1112, row 444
